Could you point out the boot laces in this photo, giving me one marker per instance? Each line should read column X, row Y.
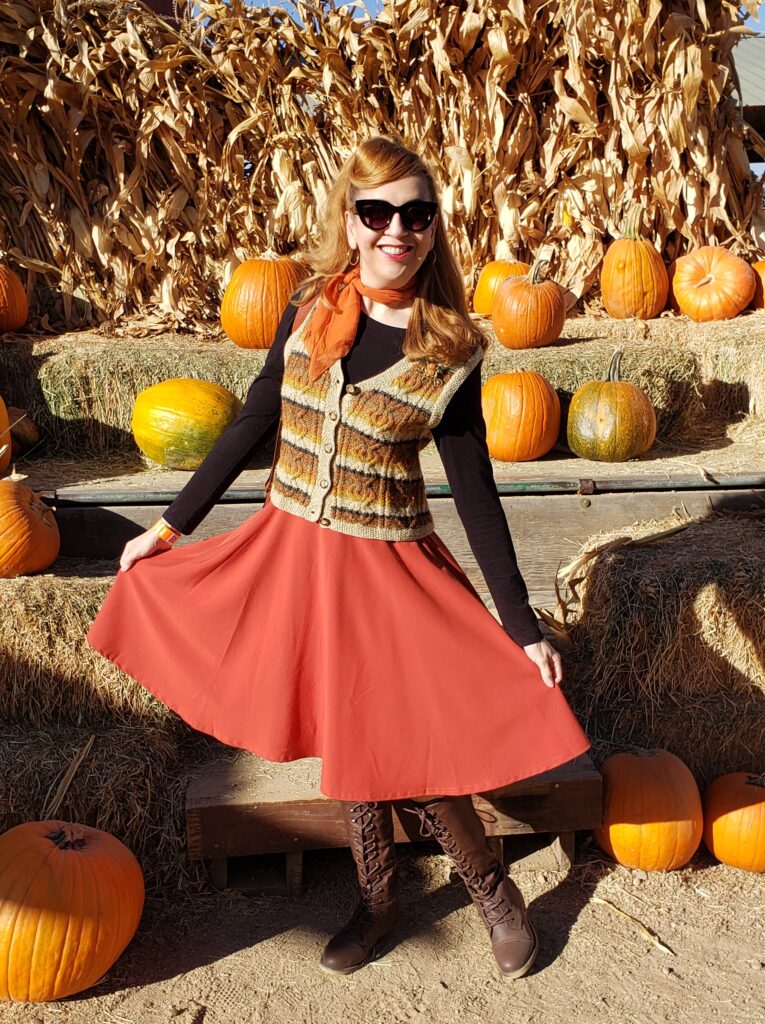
column 495, row 906
column 370, row 870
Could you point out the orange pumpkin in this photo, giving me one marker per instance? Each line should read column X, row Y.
column 256, row 297
column 522, row 413
column 6, row 441
column 652, row 815
column 29, row 537
column 734, row 820
column 71, row 898
column 490, row 278
column 633, row 278
column 712, row 284
column 527, row 311
column 758, row 299
column 14, row 308
column 24, row 433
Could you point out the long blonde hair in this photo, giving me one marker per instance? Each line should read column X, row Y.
column 439, row 326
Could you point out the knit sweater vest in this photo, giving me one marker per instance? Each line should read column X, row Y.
column 349, row 460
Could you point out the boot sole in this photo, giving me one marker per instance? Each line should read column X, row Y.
column 520, row 972
column 374, row 953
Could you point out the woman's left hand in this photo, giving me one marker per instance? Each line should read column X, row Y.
column 547, row 660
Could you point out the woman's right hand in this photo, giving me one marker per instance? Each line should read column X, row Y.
column 139, row 547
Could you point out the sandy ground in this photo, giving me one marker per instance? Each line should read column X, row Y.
column 230, row 958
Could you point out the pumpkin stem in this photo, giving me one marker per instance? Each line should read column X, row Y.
column 631, row 228
column 614, row 366
column 68, row 837
column 536, row 271
column 705, row 280
column 756, row 780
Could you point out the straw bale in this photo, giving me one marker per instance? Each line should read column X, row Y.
column 142, row 162
column 666, row 620
column 49, row 675
column 130, row 784
column 80, row 387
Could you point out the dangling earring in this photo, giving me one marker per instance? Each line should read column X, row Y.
column 354, row 258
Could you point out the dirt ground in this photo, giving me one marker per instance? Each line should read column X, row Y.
column 230, row 958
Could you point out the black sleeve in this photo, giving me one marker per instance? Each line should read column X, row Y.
column 232, row 451
column 461, row 441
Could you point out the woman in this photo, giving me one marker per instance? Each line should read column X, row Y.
column 335, row 623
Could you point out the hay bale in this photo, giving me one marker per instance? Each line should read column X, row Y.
column 49, row 675
column 666, row 621
column 130, row 784
column 80, row 389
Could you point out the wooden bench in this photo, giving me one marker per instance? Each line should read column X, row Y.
column 249, row 806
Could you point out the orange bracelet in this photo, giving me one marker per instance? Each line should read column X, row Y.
column 165, row 531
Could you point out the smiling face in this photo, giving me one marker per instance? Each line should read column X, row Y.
column 390, row 258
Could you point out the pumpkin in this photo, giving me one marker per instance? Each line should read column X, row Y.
column 522, row 414
column 177, row 422
column 528, row 312
column 6, row 440
column 256, row 297
column 633, row 278
column 29, row 537
column 490, row 278
column 24, row 433
column 71, row 898
column 14, row 308
column 758, row 299
column 734, row 820
column 712, row 284
column 652, row 814
column 610, row 420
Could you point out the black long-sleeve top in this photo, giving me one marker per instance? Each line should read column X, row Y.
column 460, row 438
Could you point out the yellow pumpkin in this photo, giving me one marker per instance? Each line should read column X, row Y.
column 256, row 297
column 71, row 898
column 176, row 422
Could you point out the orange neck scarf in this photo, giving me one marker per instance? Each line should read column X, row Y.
column 331, row 332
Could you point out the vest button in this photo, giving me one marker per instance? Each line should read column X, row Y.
column 324, row 483
column 324, row 521
column 352, row 389
column 328, row 447
column 333, row 415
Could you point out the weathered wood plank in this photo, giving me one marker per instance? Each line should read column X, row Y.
column 235, row 810
column 547, row 531
column 722, row 460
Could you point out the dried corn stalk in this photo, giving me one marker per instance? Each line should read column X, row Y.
column 141, row 162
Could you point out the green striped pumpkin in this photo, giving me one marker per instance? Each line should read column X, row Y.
column 177, row 422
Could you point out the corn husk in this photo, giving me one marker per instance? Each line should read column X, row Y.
column 143, row 160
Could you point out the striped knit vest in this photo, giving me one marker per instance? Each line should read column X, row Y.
column 348, row 458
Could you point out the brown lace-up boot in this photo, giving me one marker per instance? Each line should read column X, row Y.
column 370, row 836
column 455, row 825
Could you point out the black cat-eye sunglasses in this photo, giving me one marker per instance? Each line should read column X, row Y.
column 376, row 214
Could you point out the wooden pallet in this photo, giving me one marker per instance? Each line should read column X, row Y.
column 253, row 807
